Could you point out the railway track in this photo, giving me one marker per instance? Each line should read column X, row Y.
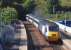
column 66, row 40
column 36, row 39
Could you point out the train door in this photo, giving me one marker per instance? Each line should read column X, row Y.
column 46, row 30
column 43, row 29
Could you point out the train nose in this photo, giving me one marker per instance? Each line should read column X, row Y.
column 53, row 36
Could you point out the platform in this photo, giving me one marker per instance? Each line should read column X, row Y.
column 20, row 37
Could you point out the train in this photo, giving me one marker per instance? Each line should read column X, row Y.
column 49, row 29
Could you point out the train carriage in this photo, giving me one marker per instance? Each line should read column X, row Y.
column 49, row 29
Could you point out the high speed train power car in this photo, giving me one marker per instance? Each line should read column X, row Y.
column 49, row 29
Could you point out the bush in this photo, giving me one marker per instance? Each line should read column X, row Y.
column 7, row 15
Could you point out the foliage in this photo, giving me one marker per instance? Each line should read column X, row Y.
column 26, row 4
column 46, row 8
column 7, row 15
column 41, row 6
column 65, row 3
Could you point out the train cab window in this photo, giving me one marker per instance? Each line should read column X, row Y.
column 53, row 28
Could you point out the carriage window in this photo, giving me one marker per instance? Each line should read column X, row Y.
column 52, row 28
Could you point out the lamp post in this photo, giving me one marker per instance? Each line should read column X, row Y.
column 65, row 19
column 65, row 22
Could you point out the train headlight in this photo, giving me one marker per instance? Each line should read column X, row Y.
column 54, row 35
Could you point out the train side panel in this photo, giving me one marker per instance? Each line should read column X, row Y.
column 42, row 28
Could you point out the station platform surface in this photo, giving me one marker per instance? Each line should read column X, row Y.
column 20, row 37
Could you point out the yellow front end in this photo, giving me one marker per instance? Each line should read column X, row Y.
column 53, row 36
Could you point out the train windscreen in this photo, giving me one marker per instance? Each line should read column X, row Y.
column 53, row 28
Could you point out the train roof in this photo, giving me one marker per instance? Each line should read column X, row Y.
column 32, row 17
column 42, row 20
column 47, row 22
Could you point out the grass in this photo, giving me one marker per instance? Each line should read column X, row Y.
column 65, row 3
